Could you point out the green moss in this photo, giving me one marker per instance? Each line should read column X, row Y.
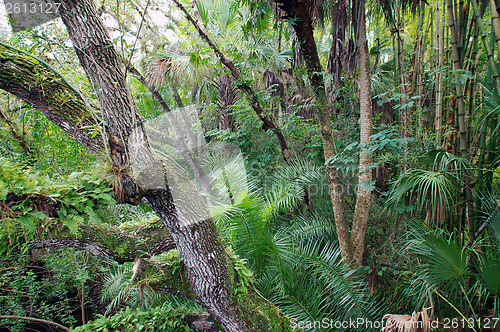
column 263, row 315
column 172, row 273
column 257, row 311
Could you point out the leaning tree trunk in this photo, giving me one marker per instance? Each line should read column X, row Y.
column 361, row 213
column 209, row 264
column 304, row 30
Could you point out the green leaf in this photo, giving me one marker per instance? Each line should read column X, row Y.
column 3, row 191
column 72, row 224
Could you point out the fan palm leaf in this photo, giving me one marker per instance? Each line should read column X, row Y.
column 425, row 190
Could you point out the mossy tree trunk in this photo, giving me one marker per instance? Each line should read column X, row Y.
column 209, row 265
column 35, row 82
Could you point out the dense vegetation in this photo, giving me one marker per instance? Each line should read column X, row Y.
column 251, row 166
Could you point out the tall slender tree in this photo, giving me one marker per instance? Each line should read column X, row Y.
column 351, row 244
column 361, row 213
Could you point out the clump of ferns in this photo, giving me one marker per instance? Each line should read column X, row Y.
column 120, row 290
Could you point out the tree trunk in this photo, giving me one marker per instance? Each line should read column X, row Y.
column 54, row 97
column 361, row 213
column 118, row 244
column 209, row 263
column 297, row 11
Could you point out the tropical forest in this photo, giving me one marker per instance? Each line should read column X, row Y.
column 249, row 165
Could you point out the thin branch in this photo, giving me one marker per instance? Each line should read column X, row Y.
column 249, row 92
column 37, row 320
column 483, row 226
column 137, row 36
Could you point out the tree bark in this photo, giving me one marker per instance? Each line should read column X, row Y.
column 362, row 210
column 119, row 244
column 208, row 261
column 303, row 27
column 36, row 320
column 34, row 81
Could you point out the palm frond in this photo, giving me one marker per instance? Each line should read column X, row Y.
column 290, row 185
column 315, row 226
column 444, row 256
column 432, row 191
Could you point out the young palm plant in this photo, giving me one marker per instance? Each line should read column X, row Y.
column 453, row 279
column 433, row 190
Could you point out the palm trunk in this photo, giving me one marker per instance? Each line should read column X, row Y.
column 361, row 213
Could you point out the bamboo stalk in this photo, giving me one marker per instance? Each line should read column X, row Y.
column 486, row 45
column 495, row 21
column 439, row 74
column 458, row 87
column 464, row 143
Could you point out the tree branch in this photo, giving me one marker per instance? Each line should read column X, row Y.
column 39, row 85
column 119, row 244
column 37, row 320
column 243, row 86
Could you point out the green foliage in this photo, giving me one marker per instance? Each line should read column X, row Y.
column 50, row 292
column 296, row 264
column 162, row 319
column 467, row 277
column 34, row 201
column 288, row 186
column 118, row 289
column 385, row 146
column 244, row 277
column 433, row 190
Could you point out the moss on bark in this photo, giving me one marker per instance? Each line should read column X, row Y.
column 38, row 84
